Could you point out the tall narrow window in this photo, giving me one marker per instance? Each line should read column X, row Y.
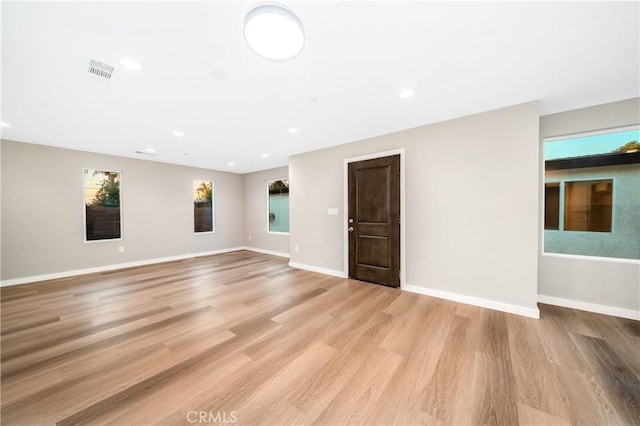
column 203, row 206
column 587, row 205
column 278, row 204
column 551, row 206
column 102, row 205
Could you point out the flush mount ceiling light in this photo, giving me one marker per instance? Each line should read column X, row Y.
column 407, row 93
column 274, row 32
column 3, row 124
column 177, row 133
column 293, row 130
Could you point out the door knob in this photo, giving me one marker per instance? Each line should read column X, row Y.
column 350, row 229
column 350, row 220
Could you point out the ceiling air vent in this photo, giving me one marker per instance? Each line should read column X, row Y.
column 100, row 69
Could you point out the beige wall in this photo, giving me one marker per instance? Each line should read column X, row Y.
column 255, row 215
column 42, row 214
column 471, row 205
column 472, row 222
column 606, row 285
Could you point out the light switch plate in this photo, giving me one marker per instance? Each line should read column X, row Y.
column 333, row 211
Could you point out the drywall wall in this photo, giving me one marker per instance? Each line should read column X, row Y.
column 255, row 202
column 471, row 207
column 602, row 285
column 42, row 211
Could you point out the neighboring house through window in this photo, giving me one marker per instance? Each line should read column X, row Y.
column 592, row 194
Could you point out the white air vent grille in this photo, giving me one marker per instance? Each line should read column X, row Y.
column 100, row 69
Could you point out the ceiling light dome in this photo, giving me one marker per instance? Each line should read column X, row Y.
column 274, row 32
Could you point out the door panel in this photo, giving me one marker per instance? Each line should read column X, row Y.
column 373, row 250
column 374, row 220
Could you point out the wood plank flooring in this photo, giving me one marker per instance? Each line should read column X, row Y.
column 242, row 338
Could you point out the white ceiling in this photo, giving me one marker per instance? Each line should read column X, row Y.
column 460, row 58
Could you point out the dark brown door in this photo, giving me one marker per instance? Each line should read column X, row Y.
column 374, row 220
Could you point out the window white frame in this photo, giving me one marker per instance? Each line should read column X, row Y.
column 267, row 206
column 586, row 134
column 84, row 208
column 213, row 207
column 561, row 212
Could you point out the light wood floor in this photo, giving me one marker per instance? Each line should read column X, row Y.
column 243, row 337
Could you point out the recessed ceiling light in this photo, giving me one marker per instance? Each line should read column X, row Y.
column 407, row 93
column 177, row 133
column 150, row 150
column 130, row 64
column 293, row 130
column 3, row 124
column 274, row 32
column 265, row 155
column 230, row 164
column 218, row 75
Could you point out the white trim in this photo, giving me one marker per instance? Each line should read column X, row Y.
column 475, row 301
column 592, row 258
column 590, row 307
column 468, row 300
column 591, row 133
column 66, row 274
column 319, row 270
column 403, row 215
column 270, row 252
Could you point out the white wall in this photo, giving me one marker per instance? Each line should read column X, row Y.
column 42, row 211
column 255, row 215
column 601, row 285
column 471, row 207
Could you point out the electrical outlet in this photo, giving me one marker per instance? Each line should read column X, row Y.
column 296, row 248
column 121, row 249
column 249, row 237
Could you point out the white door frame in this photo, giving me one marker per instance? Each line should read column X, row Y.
column 403, row 216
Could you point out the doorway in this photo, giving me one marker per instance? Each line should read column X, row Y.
column 374, row 219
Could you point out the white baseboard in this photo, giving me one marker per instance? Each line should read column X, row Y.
column 590, row 307
column 469, row 300
column 66, row 274
column 325, row 271
column 475, row 301
column 271, row 252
